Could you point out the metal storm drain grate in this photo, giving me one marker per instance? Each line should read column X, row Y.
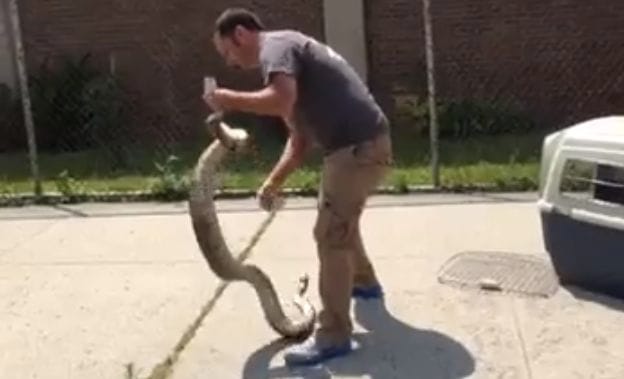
column 498, row 271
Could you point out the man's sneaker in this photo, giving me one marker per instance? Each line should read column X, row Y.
column 371, row 292
column 309, row 353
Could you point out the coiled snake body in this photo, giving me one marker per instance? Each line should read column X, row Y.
column 214, row 247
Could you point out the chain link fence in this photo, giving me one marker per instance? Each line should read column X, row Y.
column 476, row 114
column 120, row 117
column 502, row 77
column 87, row 130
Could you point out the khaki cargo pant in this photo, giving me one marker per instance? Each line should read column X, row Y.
column 348, row 177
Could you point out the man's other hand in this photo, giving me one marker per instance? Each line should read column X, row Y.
column 268, row 195
column 219, row 99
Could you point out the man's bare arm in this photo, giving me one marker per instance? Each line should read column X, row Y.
column 291, row 158
column 276, row 99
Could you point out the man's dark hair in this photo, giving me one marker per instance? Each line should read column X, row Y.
column 233, row 17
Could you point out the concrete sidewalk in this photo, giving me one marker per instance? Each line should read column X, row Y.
column 86, row 289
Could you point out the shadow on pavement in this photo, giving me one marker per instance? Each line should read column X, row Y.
column 390, row 349
column 596, row 297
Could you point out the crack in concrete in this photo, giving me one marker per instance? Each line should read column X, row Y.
column 520, row 336
column 164, row 369
column 73, row 212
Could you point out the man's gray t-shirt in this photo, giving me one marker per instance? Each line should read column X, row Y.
column 334, row 106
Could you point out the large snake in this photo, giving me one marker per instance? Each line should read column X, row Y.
column 214, row 247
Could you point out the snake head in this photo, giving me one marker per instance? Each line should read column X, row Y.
column 234, row 139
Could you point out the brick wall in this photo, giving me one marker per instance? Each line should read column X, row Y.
column 560, row 59
column 395, row 47
column 161, row 49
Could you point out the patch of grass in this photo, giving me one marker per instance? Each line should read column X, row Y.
column 505, row 161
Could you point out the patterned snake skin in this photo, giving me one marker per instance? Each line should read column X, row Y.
column 215, row 249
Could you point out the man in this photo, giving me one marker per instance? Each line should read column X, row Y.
column 324, row 103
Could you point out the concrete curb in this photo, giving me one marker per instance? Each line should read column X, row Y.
column 54, row 198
